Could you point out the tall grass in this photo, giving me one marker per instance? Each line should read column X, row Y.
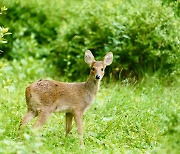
column 126, row 117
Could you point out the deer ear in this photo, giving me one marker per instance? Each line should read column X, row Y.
column 88, row 57
column 108, row 58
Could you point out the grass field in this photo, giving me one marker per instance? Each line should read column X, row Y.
column 126, row 117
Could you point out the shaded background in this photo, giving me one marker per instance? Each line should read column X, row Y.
column 143, row 35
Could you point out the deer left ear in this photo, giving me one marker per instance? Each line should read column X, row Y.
column 108, row 58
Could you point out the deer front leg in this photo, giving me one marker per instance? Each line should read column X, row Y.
column 69, row 117
column 41, row 119
column 78, row 116
column 28, row 117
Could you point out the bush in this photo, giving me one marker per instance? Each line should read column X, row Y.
column 144, row 37
column 33, row 31
column 3, row 31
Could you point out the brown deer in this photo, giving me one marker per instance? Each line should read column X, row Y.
column 46, row 96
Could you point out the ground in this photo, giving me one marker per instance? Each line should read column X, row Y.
column 126, row 116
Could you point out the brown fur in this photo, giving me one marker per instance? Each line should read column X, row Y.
column 46, row 96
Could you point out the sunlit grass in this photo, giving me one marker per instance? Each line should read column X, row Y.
column 125, row 117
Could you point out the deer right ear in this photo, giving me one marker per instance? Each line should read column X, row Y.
column 88, row 57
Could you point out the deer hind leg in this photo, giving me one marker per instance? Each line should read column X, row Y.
column 69, row 117
column 78, row 116
column 27, row 118
column 41, row 119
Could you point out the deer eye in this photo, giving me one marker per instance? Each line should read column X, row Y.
column 93, row 69
column 102, row 69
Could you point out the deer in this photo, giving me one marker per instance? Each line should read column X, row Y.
column 43, row 97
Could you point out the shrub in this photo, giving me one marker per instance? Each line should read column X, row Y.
column 32, row 30
column 3, row 31
column 143, row 35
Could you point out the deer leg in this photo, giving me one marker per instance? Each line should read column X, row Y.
column 79, row 122
column 41, row 119
column 69, row 117
column 27, row 118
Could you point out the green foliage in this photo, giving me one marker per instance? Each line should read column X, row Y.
column 31, row 28
column 3, row 31
column 126, row 117
column 144, row 36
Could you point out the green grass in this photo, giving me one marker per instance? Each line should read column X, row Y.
column 126, row 117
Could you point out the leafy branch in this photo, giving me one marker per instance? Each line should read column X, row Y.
column 3, row 31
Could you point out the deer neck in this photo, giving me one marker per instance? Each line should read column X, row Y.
column 92, row 85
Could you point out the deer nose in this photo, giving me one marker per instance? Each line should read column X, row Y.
column 98, row 77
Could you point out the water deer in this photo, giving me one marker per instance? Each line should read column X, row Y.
column 46, row 96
